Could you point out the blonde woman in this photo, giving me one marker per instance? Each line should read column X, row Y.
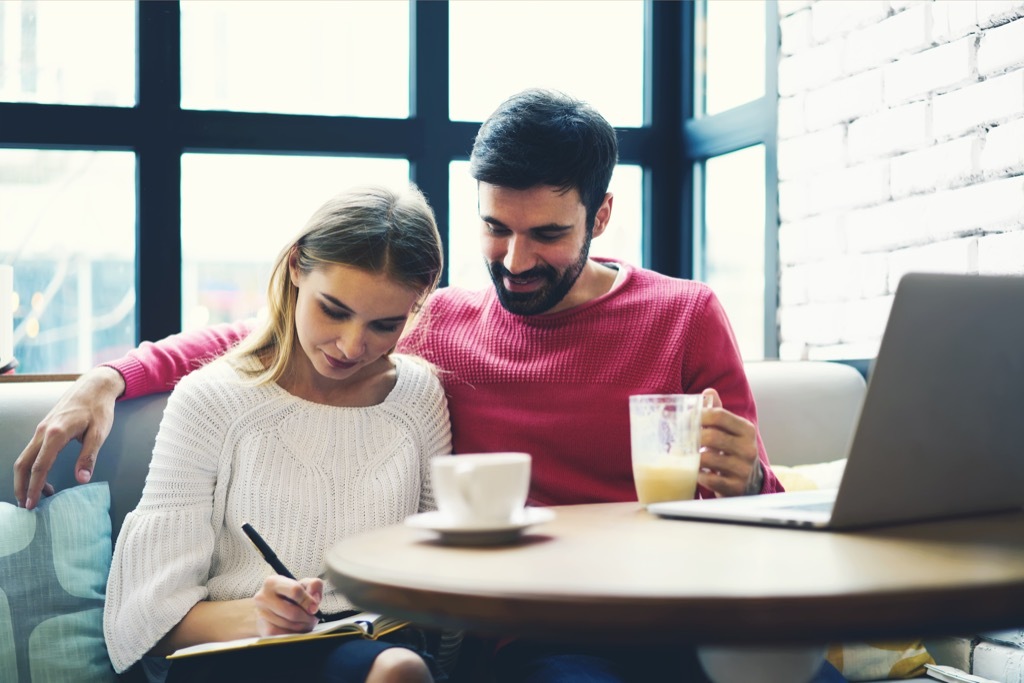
column 311, row 429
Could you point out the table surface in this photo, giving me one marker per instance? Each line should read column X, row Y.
column 618, row 572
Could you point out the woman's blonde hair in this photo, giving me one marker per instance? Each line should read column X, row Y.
column 373, row 228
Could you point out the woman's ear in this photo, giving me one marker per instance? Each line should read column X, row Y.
column 293, row 266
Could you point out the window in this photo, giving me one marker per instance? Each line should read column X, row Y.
column 237, row 211
column 733, row 241
column 296, row 57
column 731, row 140
column 154, row 155
column 487, row 67
column 45, row 56
column 69, row 228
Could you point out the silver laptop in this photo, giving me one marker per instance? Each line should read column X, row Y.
column 939, row 433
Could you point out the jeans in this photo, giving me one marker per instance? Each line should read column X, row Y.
column 534, row 662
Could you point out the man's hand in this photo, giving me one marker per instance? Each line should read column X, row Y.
column 285, row 605
column 729, row 457
column 85, row 412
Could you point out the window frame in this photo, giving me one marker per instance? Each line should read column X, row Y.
column 159, row 131
column 752, row 123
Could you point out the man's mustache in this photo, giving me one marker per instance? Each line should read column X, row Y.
column 501, row 271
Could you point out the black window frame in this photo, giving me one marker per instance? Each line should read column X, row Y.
column 159, row 131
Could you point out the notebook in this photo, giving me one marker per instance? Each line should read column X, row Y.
column 939, row 432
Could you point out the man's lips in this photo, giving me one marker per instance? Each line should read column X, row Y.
column 522, row 284
column 339, row 364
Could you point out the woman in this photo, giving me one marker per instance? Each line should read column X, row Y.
column 310, row 430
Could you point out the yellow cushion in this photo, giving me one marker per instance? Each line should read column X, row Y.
column 857, row 661
column 880, row 660
column 824, row 475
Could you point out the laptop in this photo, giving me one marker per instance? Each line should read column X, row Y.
column 939, row 432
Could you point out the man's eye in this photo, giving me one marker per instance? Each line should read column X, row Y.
column 495, row 230
column 549, row 236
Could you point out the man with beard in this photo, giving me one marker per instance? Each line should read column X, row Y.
column 542, row 363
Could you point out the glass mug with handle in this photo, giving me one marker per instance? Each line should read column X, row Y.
column 664, row 434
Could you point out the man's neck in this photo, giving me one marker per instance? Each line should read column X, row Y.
column 597, row 279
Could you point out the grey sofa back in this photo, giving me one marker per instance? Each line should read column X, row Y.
column 123, row 460
column 807, row 412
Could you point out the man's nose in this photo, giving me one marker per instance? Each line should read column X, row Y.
column 518, row 255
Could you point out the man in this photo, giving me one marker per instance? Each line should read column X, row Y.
column 543, row 362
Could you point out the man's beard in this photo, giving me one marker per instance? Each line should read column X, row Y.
column 548, row 295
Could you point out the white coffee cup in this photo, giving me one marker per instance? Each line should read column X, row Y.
column 481, row 488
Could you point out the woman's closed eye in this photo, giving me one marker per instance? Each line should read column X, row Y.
column 382, row 326
column 387, row 328
column 334, row 313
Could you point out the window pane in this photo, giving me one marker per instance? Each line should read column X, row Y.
column 590, row 50
column 622, row 239
column 734, row 217
column 69, row 232
column 296, row 57
column 730, row 54
column 231, row 232
column 47, row 57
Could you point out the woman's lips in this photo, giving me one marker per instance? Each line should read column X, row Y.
column 339, row 364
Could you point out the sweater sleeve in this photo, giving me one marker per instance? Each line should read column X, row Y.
column 163, row 554
column 437, row 440
column 155, row 367
column 716, row 363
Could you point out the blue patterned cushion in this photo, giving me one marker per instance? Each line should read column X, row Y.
column 53, row 574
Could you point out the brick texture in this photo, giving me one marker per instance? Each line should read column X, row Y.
column 901, row 148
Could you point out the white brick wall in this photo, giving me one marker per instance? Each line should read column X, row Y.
column 991, row 101
column 937, row 68
column 935, row 167
column 1004, row 149
column 901, row 147
column 1001, row 48
column 1001, row 254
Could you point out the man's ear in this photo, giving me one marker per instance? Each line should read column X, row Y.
column 603, row 215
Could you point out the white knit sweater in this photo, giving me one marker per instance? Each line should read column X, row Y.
column 304, row 474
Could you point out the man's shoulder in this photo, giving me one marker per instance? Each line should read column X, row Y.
column 460, row 296
column 454, row 303
column 655, row 285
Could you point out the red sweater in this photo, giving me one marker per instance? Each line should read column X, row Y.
column 554, row 386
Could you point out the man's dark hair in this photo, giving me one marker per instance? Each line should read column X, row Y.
column 543, row 137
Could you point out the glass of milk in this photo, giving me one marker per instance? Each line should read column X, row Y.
column 665, row 439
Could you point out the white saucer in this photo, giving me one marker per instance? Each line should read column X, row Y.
column 488, row 533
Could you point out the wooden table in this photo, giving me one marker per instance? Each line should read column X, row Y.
column 614, row 570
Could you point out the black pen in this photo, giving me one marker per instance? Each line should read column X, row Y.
column 271, row 557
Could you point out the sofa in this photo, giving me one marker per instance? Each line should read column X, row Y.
column 807, row 412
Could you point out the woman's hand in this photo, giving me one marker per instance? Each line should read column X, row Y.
column 285, row 605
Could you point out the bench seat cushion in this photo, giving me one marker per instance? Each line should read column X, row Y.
column 54, row 562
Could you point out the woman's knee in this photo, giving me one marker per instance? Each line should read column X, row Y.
column 399, row 665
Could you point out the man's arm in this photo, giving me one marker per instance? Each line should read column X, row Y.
column 733, row 459
column 86, row 411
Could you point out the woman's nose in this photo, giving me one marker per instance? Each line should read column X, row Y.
column 352, row 341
